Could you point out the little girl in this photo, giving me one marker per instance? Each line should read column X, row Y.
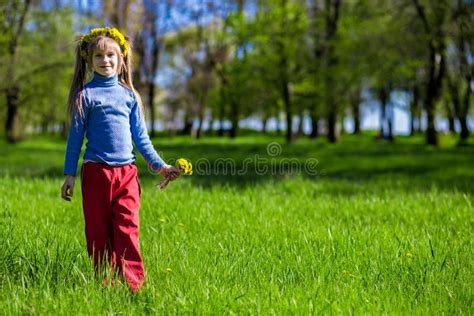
column 109, row 111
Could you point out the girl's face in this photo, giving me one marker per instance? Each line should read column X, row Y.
column 105, row 62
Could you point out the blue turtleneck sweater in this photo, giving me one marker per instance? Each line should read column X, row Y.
column 112, row 119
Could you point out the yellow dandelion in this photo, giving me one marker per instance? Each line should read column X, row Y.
column 162, row 220
column 169, row 270
column 409, row 255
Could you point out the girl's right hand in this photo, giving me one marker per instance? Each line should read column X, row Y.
column 169, row 172
column 67, row 189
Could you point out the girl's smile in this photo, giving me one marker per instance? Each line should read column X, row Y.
column 105, row 62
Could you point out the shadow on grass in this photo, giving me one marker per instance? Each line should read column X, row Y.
column 344, row 166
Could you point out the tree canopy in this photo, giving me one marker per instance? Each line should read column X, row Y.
column 204, row 66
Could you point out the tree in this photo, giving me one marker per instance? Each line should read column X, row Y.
column 13, row 25
column 280, row 34
column 155, row 18
column 460, row 70
column 37, row 62
column 434, row 26
column 330, row 62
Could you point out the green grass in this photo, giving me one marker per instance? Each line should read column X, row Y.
column 380, row 228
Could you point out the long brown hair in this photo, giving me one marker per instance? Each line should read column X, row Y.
column 84, row 66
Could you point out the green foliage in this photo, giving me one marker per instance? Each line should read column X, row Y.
column 43, row 66
column 235, row 62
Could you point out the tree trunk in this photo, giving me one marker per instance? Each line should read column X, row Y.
column 12, row 95
column 300, row 131
column 188, row 124
column 283, row 72
column 436, row 45
column 356, row 113
column 464, row 129
column 12, row 91
column 332, row 17
column 235, row 120
column 264, row 125
column 451, row 126
column 151, row 97
column 342, row 128
column 117, row 11
column 202, row 108
column 234, row 103
column 200, row 123
column 355, row 103
column 468, row 73
column 318, row 56
column 385, row 118
column 332, row 112
column 390, row 124
column 212, row 121
column 199, row 128
column 222, row 103
column 155, row 57
column 463, row 113
column 289, row 114
column 414, row 109
column 431, row 135
column 314, row 125
column 201, row 113
column 278, row 125
column 419, row 129
column 431, row 91
column 382, row 94
column 285, row 93
column 44, row 125
column 332, row 127
column 220, row 131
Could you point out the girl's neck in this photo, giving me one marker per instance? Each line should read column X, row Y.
column 103, row 81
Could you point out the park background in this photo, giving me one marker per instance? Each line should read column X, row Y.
column 331, row 144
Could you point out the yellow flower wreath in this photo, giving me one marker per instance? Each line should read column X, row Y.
column 110, row 32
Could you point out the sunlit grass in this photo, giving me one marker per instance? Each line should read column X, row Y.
column 386, row 228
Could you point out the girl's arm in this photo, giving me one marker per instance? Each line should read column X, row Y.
column 73, row 150
column 145, row 147
column 74, row 142
column 142, row 140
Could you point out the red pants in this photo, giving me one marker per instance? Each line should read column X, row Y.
column 111, row 200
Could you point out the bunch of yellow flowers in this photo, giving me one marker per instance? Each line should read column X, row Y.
column 184, row 166
column 111, row 32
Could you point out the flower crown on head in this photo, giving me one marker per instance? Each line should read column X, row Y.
column 110, row 32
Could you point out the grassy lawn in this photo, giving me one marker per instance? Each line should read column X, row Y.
column 372, row 227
